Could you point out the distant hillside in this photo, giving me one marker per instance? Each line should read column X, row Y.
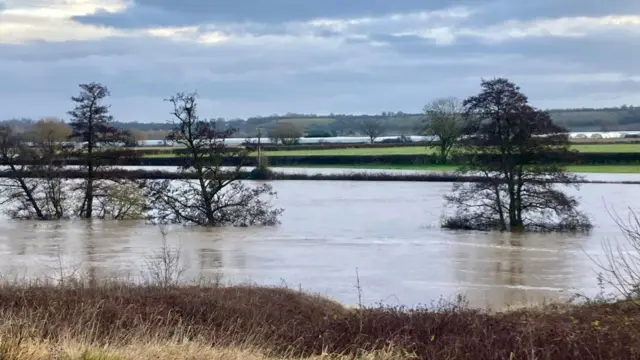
column 624, row 118
column 607, row 119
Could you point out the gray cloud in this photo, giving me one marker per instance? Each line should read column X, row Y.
column 188, row 12
column 604, row 51
column 146, row 13
column 494, row 10
column 274, row 62
column 313, row 75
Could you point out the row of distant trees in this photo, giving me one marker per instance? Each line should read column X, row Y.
column 289, row 133
column 295, row 126
column 38, row 184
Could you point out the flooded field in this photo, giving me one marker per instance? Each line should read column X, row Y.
column 388, row 233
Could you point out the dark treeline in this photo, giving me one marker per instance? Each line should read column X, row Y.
column 623, row 118
column 182, row 159
column 123, row 174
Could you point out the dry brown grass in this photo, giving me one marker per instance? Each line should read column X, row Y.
column 34, row 350
column 126, row 321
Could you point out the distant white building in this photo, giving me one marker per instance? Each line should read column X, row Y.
column 605, row 135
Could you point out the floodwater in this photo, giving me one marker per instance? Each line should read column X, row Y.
column 385, row 232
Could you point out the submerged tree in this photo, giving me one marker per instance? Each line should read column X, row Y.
column 445, row 121
column 216, row 197
column 512, row 145
column 92, row 126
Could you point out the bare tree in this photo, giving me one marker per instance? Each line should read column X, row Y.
column 445, row 121
column 373, row 128
column 519, row 190
column 92, row 126
column 20, row 191
column 32, row 186
column 48, row 140
column 216, row 197
column 285, row 132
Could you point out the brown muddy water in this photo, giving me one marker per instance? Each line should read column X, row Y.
column 388, row 233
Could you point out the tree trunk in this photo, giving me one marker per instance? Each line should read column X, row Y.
column 89, row 190
column 443, row 154
column 30, row 198
column 515, row 221
column 207, row 201
column 503, row 223
column 89, row 193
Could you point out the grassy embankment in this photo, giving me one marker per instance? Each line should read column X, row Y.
column 418, row 150
column 117, row 321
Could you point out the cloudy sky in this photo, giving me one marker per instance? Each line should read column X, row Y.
column 258, row 57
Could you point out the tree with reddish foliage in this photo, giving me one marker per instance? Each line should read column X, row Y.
column 510, row 141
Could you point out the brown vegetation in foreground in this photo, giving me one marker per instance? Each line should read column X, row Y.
column 135, row 321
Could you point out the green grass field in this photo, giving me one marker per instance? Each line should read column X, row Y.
column 419, row 150
column 593, row 169
column 414, row 150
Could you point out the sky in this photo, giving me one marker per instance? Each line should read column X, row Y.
column 262, row 57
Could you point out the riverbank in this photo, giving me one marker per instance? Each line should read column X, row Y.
column 114, row 320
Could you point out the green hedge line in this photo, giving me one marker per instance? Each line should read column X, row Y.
column 551, row 158
column 320, row 160
column 272, row 147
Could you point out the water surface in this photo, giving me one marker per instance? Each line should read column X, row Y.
column 387, row 232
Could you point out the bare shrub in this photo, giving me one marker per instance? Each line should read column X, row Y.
column 121, row 201
column 164, row 268
column 620, row 268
